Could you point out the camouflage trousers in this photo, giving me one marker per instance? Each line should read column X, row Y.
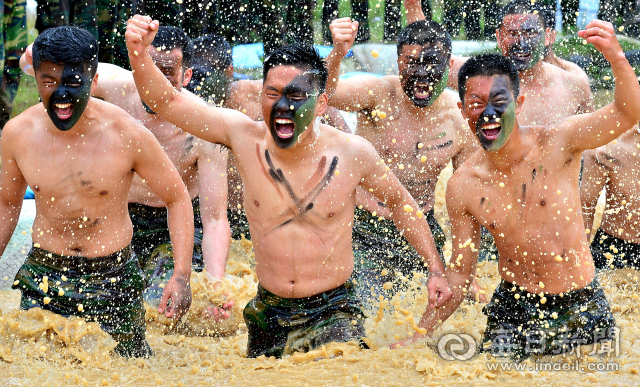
column 105, row 290
column 151, row 243
column 280, row 326
column 14, row 42
column 611, row 252
column 520, row 325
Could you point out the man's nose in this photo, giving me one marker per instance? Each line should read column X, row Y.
column 282, row 105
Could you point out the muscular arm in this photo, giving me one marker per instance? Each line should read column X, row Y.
column 461, row 270
column 157, row 171
column 185, row 110
column 212, row 178
column 405, row 214
column 12, row 187
column 586, row 96
column 469, row 143
column 594, row 179
column 589, row 131
column 455, row 64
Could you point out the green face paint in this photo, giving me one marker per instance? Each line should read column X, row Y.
column 526, row 47
column 495, row 125
column 293, row 112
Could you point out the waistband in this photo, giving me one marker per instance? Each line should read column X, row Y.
column 150, row 212
column 308, row 302
column 81, row 264
column 553, row 301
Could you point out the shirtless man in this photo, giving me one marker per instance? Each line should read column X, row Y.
column 80, row 155
column 523, row 186
column 615, row 167
column 552, row 93
column 300, row 179
column 201, row 166
column 415, row 125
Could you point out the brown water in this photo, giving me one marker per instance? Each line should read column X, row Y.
column 41, row 349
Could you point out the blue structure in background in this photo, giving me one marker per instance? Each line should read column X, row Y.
column 587, row 11
column 250, row 56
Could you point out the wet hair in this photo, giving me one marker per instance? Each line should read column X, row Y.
column 523, row 7
column 425, row 32
column 303, row 57
column 488, row 65
column 549, row 16
column 170, row 37
column 211, row 51
column 66, row 44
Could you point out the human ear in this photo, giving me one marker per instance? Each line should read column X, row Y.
column 188, row 73
column 519, row 102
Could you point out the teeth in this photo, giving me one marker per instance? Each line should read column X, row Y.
column 283, row 121
column 63, row 105
column 421, row 84
column 491, row 126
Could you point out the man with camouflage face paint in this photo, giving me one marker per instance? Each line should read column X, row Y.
column 415, row 126
column 80, row 155
column 552, row 93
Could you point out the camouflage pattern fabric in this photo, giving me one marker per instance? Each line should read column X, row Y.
column 106, row 290
column 239, row 224
column 620, row 253
column 520, row 325
column 151, row 243
column 55, row 13
column 281, row 326
column 14, row 42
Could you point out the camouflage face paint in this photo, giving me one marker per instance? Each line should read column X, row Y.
column 496, row 123
column 424, row 74
column 523, row 41
column 293, row 112
column 67, row 102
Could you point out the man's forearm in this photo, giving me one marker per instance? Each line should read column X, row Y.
column 627, row 92
column 333, row 66
column 180, row 220
column 414, row 11
column 432, row 319
column 216, row 239
column 9, row 218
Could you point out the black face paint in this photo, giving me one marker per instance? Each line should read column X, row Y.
column 425, row 76
column 292, row 113
column 495, row 124
column 69, row 100
column 526, row 46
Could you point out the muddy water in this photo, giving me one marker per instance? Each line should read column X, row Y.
column 41, row 349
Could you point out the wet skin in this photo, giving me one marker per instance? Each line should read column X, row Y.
column 424, row 71
column 494, row 125
column 65, row 90
column 522, row 40
column 293, row 111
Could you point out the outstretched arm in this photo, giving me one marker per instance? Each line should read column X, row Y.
column 12, row 187
column 188, row 112
column 589, row 131
column 406, row 215
column 157, row 171
column 212, row 180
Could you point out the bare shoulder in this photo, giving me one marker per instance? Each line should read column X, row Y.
column 569, row 79
column 246, row 86
column 346, row 143
column 463, row 178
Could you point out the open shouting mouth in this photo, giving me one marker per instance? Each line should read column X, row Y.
column 284, row 127
column 63, row 110
column 491, row 130
column 422, row 90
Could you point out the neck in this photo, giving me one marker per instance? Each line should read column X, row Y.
column 536, row 73
column 514, row 150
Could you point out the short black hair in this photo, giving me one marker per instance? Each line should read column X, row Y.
column 211, row 51
column 523, row 7
column 170, row 37
column 304, row 57
column 549, row 16
column 66, row 44
column 488, row 65
column 424, row 32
